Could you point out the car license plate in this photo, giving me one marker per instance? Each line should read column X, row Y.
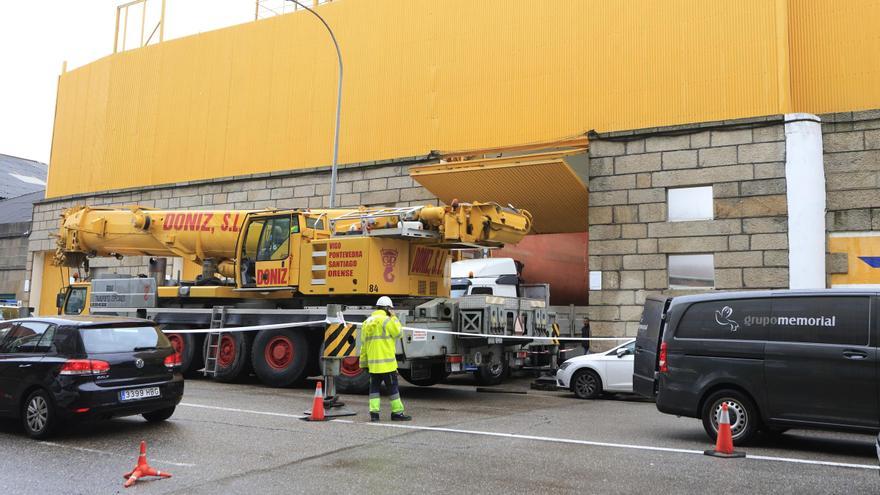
column 138, row 393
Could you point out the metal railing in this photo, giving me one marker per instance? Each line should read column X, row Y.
column 122, row 17
column 269, row 8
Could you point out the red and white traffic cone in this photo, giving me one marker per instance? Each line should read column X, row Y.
column 318, row 405
column 142, row 469
column 724, row 440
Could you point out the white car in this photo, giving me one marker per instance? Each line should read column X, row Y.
column 590, row 375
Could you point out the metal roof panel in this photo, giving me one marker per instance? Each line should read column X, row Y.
column 545, row 185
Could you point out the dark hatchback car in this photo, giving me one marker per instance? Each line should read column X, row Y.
column 778, row 359
column 57, row 370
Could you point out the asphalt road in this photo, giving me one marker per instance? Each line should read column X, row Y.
column 248, row 439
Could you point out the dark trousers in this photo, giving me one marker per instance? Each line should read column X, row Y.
column 585, row 334
column 390, row 381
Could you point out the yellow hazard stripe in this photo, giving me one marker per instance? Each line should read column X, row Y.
column 331, row 329
column 555, row 333
column 340, row 341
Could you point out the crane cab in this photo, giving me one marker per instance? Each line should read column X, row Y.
column 332, row 253
column 269, row 249
column 74, row 299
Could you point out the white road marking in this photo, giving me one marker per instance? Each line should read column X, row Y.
column 248, row 411
column 105, row 452
column 549, row 439
column 618, row 445
column 808, row 461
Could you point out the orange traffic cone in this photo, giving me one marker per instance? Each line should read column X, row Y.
column 142, row 469
column 318, row 405
column 724, row 440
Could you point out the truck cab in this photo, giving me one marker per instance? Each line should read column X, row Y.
column 494, row 277
column 485, row 276
column 74, row 299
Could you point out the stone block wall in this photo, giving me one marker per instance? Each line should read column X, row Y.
column 13, row 258
column 630, row 235
column 851, row 144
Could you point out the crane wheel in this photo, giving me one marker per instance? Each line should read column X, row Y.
column 491, row 374
column 234, row 359
column 352, row 378
column 280, row 356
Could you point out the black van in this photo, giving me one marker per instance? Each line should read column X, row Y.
column 779, row 359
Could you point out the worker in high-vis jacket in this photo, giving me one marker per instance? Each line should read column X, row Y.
column 378, row 337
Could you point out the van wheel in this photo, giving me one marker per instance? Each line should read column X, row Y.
column 744, row 420
column 586, row 384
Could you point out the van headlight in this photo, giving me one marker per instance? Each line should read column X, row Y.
column 564, row 365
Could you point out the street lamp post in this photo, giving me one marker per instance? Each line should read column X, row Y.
column 334, row 166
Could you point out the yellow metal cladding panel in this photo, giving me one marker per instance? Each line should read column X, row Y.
column 419, row 75
column 54, row 279
column 863, row 255
column 543, row 185
column 835, row 55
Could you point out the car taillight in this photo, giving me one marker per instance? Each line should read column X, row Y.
column 84, row 367
column 453, row 359
column 664, row 367
column 173, row 360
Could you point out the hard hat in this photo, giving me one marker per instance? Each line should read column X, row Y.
column 385, row 302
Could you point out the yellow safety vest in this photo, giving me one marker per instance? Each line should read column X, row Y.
column 378, row 337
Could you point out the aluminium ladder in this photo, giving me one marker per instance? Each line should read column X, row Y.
column 212, row 349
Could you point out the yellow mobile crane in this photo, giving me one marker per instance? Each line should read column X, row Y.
column 279, row 266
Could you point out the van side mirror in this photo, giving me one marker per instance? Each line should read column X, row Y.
column 623, row 351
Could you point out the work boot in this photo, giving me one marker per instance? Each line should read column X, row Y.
column 374, row 417
column 400, row 417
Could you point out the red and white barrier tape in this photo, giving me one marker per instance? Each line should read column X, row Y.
column 520, row 337
column 254, row 328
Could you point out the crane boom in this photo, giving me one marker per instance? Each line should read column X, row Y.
column 193, row 235
column 199, row 235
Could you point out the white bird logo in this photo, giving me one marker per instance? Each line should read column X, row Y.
column 722, row 317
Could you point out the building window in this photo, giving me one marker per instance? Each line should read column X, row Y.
column 690, row 203
column 692, row 271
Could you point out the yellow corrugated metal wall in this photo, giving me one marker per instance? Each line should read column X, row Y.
column 835, row 55
column 420, row 75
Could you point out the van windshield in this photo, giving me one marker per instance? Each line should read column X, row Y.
column 122, row 339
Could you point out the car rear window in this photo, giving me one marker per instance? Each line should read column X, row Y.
column 122, row 339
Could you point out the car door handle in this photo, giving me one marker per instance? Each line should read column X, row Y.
column 24, row 366
column 850, row 354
